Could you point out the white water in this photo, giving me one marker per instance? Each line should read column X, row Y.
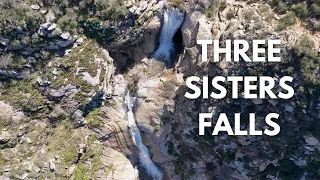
column 171, row 22
column 144, row 155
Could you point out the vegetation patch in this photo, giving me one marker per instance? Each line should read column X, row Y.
column 93, row 118
column 80, row 173
column 81, row 59
column 288, row 20
column 307, row 11
column 214, row 8
column 24, row 95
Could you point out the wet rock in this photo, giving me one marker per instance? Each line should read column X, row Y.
column 159, row 5
column 190, row 28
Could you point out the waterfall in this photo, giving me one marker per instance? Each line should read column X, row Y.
column 172, row 20
column 144, row 155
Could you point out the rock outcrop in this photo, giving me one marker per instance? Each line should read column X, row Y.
column 119, row 167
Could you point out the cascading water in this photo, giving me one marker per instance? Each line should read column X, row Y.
column 166, row 50
column 144, row 155
column 172, row 20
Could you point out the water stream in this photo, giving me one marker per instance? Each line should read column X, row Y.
column 144, row 155
column 172, row 19
column 165, row 53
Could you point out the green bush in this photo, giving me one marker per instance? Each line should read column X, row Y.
column 306, row 43
column 309, row 68
column 301, row 10
column 308, row 60
column 305, row 10
column 68, row 22
column 315, row 26
column 216, row 6
column 315, row 10
column 288, row 20
column 14, row 14
column 92, row 118
column 80, row 173
column 110, row 10
column 281, row 7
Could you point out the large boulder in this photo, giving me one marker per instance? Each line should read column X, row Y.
column 118, row 165
column 195, row 27
column 6, row 111
column 113, row 129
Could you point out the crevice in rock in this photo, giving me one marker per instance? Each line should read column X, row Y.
column 178, row 46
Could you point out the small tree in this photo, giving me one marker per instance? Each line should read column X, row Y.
column 288, row 20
